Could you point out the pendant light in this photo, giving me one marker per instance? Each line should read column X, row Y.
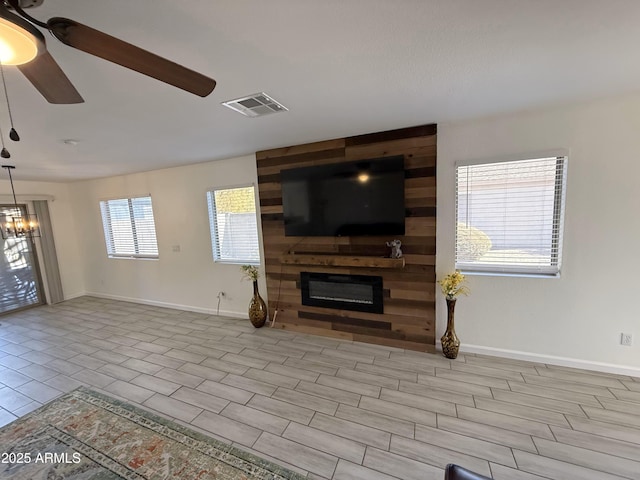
column 17, row 224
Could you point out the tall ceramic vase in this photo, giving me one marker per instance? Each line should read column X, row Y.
column 450, row 341
column 257, row 308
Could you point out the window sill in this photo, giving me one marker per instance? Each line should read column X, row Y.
column 118, row 257
column 237, row 262
column 509, row 274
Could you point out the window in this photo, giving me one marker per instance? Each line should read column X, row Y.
column 509, row 216
column 129, row 228
column 234, row 227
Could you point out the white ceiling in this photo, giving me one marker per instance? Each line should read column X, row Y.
column 342, row 67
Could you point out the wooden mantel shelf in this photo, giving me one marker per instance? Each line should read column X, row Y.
column 331, row 260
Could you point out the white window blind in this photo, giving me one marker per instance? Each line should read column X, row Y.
column 129, row 227
column 510, row 215
column 234, row 227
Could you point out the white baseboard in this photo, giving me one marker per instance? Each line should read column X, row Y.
column 549, row 359
column 74, row 295
column 177, row 306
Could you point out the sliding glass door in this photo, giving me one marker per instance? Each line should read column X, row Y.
column 20, row 281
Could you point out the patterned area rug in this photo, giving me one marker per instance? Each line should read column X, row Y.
column 84, row 435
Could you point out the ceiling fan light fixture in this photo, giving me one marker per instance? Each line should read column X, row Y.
column 20, row 42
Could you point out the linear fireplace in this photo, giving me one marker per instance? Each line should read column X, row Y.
column 362, row 293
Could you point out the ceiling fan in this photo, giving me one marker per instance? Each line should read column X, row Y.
column 22, row 44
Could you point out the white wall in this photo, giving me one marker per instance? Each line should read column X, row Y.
column 63, row 224
column 580, row 315
column 189, row 279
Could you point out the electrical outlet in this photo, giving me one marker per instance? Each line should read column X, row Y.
column 626, row 339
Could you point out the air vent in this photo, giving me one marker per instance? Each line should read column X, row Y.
column 255, row 105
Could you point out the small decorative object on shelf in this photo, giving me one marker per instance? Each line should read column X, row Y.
column 396, row 252
column 452, row 285
column 257, row 307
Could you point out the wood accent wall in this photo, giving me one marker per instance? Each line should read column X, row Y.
column 409, row 304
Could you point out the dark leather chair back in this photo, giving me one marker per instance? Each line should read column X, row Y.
column 456, row 472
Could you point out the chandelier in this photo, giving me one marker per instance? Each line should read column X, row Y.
column 17, row 224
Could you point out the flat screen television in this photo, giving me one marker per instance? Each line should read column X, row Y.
column 345, row 199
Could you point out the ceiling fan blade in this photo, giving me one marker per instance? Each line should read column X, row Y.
column 49, row 79
column 114, row 50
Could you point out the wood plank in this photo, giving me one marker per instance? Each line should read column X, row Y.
column 401, row 133
column 342, row 261
column 298, row 149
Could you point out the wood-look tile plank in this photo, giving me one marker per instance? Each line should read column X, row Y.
column 538, row 402
column 508, row 422
column 227, row 392
column 325, row 442
column 500, row 472
column 329, row 393
column 307, row 458
column 465, row 444
column 200, row 399
column 634, row 386
column 436, row 455
column 156, row 384
column 172, row 407
column 626, row 395
column 605, row 429
column 294, row 372
column 597, row 443
column 554, row 393
column 395, row 410
column 349, row 385
column 272, row 378
column 589, row 458
column 207, row 373
column 560, row 384
column 436, row 393
column 351, row 430
column 551, row 468
column 621, row 406
column 329, row 360
column 472, row 378
column 406, row 367
column 179, row 377
column 371, row 419
column 371, row 379
column 452, row 385
column 245, row 361
column 489, row 433
column 255, row 418
column 223, row 366
column 350, row 471
column 249, row 384
column 521, row 366
column 130, row 392
column 488, row 371
column 281, row 409
column 399, row 466
column 387, row 372
column 227, row 428
column 318, row 404
column 522, row 411
column 612, row 416
column 311, row 366
column 421, row 359
column 417, row 401
column 584, row 378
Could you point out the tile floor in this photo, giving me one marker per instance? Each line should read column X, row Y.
column 327, row 408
